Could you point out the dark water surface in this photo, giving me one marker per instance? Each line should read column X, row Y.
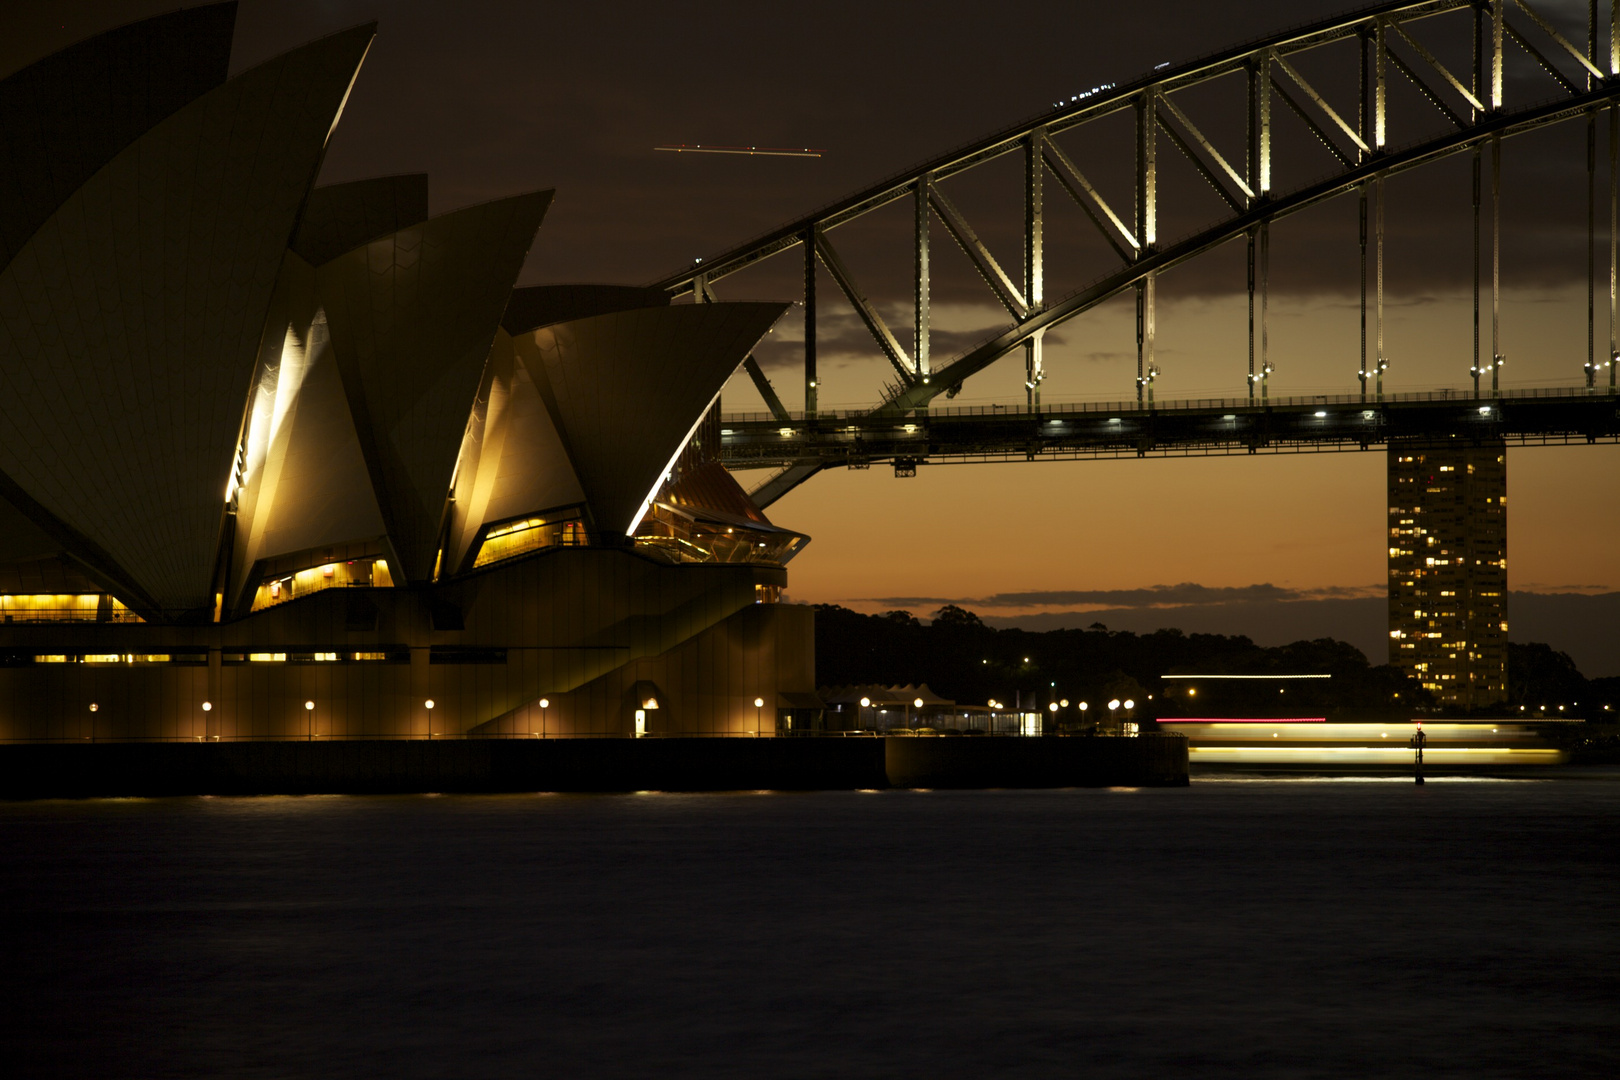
column 1237, row 928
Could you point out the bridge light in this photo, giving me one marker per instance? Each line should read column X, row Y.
column 1320, row 413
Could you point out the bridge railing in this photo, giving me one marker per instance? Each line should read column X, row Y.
column 1243, row 404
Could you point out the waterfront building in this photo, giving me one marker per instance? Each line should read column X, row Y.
column 288, row 461
column 1448, row 618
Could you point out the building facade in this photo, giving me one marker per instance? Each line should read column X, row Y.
column 1448, row 617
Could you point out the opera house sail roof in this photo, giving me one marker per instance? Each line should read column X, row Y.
column 216, row 376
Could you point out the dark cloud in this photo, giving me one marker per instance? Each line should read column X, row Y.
column 497, row 96
column 1154, row 596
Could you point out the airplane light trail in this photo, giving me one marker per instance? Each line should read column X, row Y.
column 761, row 151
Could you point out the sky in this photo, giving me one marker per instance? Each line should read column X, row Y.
column 494, row 97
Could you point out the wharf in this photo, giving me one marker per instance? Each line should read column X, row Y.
column 99, row 770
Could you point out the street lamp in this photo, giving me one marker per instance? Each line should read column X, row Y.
column 1084, row 705
column 545, row 703
column 917, row 704
column 759, row 704
column 1112, row 705
column 309, row 719
column 1053, row 708
column 429, row 704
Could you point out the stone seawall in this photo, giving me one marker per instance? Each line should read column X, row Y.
column 72, row 770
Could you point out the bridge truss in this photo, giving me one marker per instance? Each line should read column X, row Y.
column 1349, row 112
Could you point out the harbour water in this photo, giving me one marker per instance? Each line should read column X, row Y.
column 1239, row 927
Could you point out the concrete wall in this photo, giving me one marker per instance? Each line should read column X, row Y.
column 493, row 765
column 706, row 685
column 565, row 618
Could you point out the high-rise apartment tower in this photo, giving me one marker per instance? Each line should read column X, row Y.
column 1448, row 568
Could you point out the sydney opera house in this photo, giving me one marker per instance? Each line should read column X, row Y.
column 288, row 461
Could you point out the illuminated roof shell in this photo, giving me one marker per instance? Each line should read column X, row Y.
column 627, row 390
column 130, row 321
column 412, row 317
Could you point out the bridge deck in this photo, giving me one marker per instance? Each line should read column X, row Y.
column 1168, row 428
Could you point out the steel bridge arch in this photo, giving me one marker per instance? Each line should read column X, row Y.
column 1362, row 150
column 1088, row 297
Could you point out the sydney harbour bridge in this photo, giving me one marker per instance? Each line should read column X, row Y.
column 1331, row 88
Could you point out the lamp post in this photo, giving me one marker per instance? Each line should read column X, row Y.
column 94, row 708
column 429, row 704
column 1112, row 706
column 860, row 717
column 759, row 706
column 309, row 721
column 544, row 704
column 207, row 707
column 917, row 704
column 1084, row 705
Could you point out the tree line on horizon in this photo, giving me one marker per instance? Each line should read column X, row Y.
column 961, row 658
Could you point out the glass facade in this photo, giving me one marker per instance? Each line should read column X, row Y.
column 510, row 539
column 349, row 573
column 72, row 607
column 677, row 536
